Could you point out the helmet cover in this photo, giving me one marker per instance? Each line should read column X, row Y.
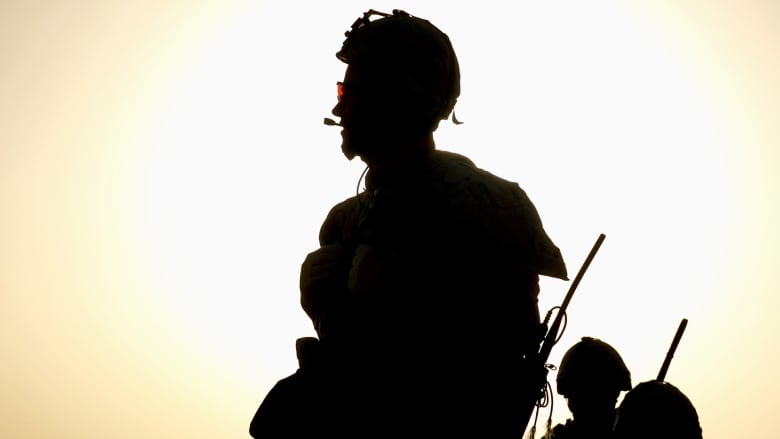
column 592, row 362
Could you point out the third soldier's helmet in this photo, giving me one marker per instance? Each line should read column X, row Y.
column 655, row 409
column 410, row 59
column 592, row 363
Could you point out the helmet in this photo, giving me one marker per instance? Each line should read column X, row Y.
column 592, row 363
column 410, row 59
column 657, row 409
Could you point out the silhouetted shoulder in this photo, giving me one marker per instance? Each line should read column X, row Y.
column 500, row 208
column 342, row 220
column 564, row 431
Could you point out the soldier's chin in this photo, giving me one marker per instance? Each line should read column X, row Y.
column 361, row 142
column 346, row 147
column 347, row 151
column 352, row 143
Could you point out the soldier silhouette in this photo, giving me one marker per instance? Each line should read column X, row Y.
column 591, row 376
column 656, row 409
column 423, row 292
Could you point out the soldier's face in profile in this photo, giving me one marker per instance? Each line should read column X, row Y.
column 360, row 108
column 347, row 94
column 348, row 105
column 595, row 402
column 372, row 111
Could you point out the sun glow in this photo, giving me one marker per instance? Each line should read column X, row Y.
column 165, row 184
column 605, row 101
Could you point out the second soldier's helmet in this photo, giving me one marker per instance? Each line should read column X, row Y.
column 592, row 363
column 410, row 59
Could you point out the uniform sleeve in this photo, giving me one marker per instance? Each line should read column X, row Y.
column 500, row 213
column 519, row 222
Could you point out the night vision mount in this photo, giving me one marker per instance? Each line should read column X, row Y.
column 366, row 19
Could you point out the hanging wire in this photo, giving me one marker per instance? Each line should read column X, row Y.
column 357, row 188
column 548, row 389
column 564, row 321
column 545, row 400
column 546, row 397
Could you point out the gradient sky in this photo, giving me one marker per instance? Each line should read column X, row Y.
column 164, row 171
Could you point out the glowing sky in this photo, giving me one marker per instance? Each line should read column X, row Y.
column 164, row 170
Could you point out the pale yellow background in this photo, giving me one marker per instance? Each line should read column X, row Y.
column 164, row 170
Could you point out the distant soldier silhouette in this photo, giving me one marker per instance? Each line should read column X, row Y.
column 423, row 292
column 657, row 409
column 591, row 376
